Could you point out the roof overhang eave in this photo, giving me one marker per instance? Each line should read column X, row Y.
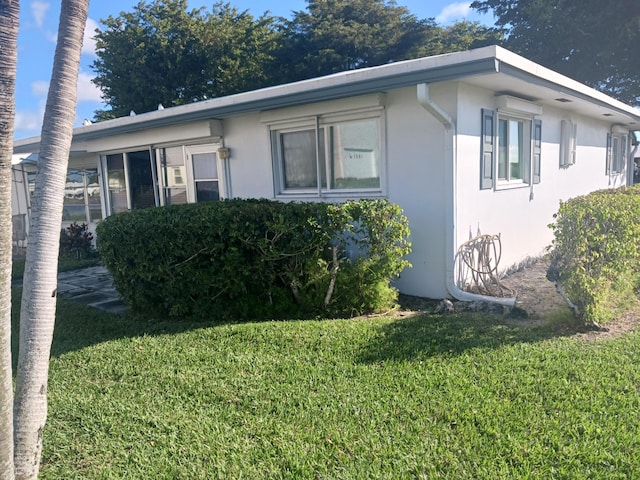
column 326, row 88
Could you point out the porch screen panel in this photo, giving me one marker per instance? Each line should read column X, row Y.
column 116, row 183
column 141, row 179
column 93, row 194
column 82, row 196
column 74, row 209
column 174, row 176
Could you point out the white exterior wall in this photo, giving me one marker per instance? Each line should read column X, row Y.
column 418, row 174
column 416, row 180
column 414, row 171
column 521, row 215
column 250, row 162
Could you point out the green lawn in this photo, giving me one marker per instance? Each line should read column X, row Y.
column 450, row 397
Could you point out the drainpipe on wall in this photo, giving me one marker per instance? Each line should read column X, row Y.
column 451, row 213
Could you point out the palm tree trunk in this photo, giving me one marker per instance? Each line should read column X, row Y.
column 9, row 13
column 37, row 311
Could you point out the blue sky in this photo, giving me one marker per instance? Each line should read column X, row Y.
column 36, row 46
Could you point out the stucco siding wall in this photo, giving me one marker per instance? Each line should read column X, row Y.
column 413, row 176
column 250, row 161
column 416, row 173
column 521, row 215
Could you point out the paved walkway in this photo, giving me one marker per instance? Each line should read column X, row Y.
column 91, row 286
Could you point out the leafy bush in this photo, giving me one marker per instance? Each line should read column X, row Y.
column 76, row 242
column 596, row 253
column 240, row 259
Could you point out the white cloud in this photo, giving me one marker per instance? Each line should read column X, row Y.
column 89, row 43
column 28, row 121
column 52, row 36
column 87, row 91
column 454, row 11
column 39, row 11
column 40, row 88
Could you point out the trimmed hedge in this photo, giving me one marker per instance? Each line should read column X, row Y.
column 255, row 259
column 596, row 252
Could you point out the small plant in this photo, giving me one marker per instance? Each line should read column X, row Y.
column 76, row 242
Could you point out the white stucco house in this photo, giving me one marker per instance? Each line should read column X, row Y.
column 482, row 140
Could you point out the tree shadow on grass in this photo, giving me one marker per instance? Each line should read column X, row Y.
column 427, row 335
column 79, row 326
column 410, row 338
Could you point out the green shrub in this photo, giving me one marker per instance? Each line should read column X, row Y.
column 76, row 242
column 595, row 255
column 247, row 259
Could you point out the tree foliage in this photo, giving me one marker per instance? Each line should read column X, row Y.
column 591, row 41
column 163, row 53
column 337, row 35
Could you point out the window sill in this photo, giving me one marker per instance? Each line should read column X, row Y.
column 511, row 186
column 333, row 194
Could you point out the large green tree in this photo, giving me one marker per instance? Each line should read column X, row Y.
column 336, row 35
column 591, row 41
column 164, row 53
column 465, row 35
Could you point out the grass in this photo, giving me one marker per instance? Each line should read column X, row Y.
column 64, row 264
column 460, row 396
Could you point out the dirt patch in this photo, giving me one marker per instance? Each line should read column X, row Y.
column 539, row 298
column 534, row 293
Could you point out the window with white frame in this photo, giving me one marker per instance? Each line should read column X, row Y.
column 328, row 154
column 616, row 152
column 511, row 146
column 568, row 143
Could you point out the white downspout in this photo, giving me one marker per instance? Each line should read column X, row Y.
column 451, row 212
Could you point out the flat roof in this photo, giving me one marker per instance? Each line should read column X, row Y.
column 491, row 67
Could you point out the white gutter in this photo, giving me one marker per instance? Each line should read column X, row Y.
column 451, row 213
